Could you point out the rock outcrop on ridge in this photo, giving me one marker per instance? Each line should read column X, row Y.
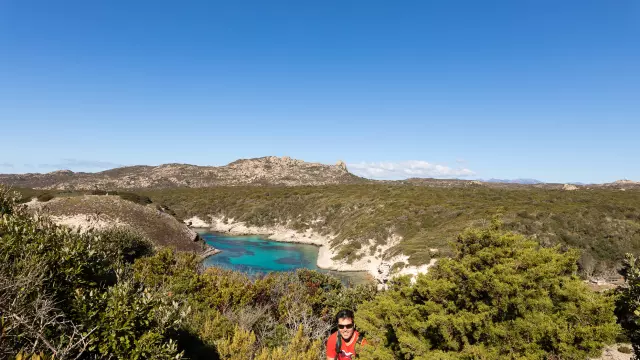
column 270, row 170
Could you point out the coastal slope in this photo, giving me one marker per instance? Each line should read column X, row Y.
column 101, row 212
column 372, row 258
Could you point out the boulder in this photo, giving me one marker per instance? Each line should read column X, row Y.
column 340, row 164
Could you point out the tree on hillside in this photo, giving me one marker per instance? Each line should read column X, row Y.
column 501, row 296
column 628, row 302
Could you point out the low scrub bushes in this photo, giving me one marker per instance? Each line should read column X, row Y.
column 45, row 197
column 69, row 295
column 603, row 224
column 624, row 349
column 268, row 313
column 138, row 199
column 500, row 297
column 628, row 302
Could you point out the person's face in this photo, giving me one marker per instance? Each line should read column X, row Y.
column 345, row 327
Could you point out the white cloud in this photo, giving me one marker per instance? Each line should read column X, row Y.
column 406, row 169
column 6, row 165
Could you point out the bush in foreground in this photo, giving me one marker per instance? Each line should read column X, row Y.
column 234, row 314
column 628, row 302
column 69, row 295
column 500, row 297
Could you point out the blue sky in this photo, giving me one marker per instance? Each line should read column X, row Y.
column 541, row 89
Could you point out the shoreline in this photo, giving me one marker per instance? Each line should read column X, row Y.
column 376, row 265
column 210, row 251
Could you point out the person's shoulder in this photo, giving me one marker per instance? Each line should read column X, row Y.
column 332, row 338
column 331, row 345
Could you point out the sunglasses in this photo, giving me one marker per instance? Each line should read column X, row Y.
column 348, row 326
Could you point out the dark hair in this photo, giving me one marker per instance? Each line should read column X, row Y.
column 344, row 314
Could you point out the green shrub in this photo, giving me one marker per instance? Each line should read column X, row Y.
column 500, row 297
column 166, row 209
column 243, row 345
column 33, row 356
column 122, row 243
column 138, row 199
column 397, row 267
column 45, row 197
column 271, row 307
column 129, row 321
column 9, row 201
column 71, row 294
column 179, row 273
column 628, row 301
column 624, row 349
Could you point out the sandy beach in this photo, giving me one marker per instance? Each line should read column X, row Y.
column 370, row 263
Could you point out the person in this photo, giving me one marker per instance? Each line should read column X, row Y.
column 341, row 344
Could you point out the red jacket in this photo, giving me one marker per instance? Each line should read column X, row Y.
column 347, row 352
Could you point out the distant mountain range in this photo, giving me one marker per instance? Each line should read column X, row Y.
column 526, row 181
column 515, row 181
column 268, row 170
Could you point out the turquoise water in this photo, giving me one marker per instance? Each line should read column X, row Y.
column 255, row 255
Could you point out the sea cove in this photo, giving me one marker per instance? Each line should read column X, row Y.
column 256, row 255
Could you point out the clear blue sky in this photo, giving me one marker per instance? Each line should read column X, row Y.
column 541, row 89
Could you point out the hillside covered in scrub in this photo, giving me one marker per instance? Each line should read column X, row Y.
column 603, row 224
column 128, row 211
column 100, row 295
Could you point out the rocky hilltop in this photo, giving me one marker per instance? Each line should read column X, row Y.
column 623, row 184
column 270, row 170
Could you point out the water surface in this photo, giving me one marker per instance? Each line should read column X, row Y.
column 255, row 255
